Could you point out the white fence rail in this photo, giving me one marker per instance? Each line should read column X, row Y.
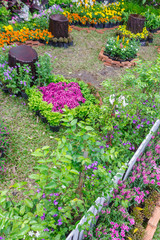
column 75, row 234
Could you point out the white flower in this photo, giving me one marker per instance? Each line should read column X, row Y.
column 122, row 99
column 112, row 98
column 37, row 234
column 31, row 233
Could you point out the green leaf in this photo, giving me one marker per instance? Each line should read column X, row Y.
column 4, row 192
column 42, row 167
column 45, row 147
column 22, row 210
column 37, row 227
column 73, row 122
column 88, row 128
column 58, row 237
column 32, row 222
column 51, row 185
column 34, row 176
column 74, row 171
column 40, row 209
column 37, row 153
column 24, row 231
column 28, row 203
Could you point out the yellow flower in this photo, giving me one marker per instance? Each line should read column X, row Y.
column 9, row 27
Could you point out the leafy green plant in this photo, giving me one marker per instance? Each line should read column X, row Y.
column 53, row 118
column 4, row 15
column 58, row 2
column 62, row 191
column 43, row 69
column 152, row 20
column 35, row 98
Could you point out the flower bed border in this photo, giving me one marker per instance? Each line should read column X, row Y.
column 108, row 25
column 109, row 62
column 75, row 234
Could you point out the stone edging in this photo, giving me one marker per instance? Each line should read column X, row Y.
column 32, row 43
column 109, row 62
column 88, row 29
column 153, row 222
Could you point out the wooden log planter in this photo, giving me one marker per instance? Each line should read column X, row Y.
column 135, row 23
column 112, row 63
column 76, row 234
column 58, row 25
column 23, row 55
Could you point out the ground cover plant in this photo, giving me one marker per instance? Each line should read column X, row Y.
column 133, row 199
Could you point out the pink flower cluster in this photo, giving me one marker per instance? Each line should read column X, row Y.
column 61, row 94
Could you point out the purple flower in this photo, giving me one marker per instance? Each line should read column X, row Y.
column 46, row 230
column 55, row 202
column 59, row 222
column 59, row 208
column 55, row 215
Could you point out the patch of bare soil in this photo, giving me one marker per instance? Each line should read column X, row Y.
column 94, row 78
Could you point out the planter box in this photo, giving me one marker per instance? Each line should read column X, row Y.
column 75, row 234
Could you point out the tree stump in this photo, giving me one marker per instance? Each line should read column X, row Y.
column 58, row 25
column 23, row 54
column 135, row 23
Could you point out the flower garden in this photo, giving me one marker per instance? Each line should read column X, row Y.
column 70, row 126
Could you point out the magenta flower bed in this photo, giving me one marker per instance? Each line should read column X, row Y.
column 61, row 94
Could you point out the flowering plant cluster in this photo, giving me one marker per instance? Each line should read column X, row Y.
column 61, row 94
column 57, row 95
column 137, row 193
column 121, row 49
column 11, row 36
column 14, row 78
column 93, row 14
column 131, row 115
column 122, row 31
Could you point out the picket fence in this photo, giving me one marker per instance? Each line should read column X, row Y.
column 95, row 209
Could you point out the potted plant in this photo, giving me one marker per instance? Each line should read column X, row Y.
column 35, row 98
column 43, row 108
column 53, row 119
